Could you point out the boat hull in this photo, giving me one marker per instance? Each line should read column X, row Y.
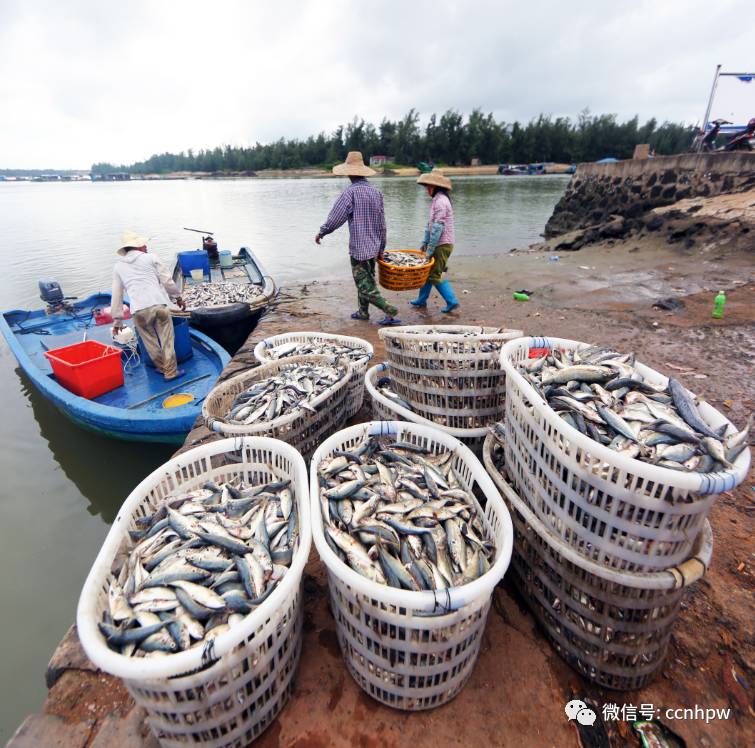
column 135, row 412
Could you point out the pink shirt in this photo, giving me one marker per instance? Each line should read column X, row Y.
column 442, row 212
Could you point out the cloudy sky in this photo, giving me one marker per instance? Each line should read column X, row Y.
column 97, row 80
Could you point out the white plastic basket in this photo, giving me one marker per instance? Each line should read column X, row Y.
column 302, row 429
column 613, row 509
column 355, row 395
column 611, row 626
column 385, row 409
column 449, row 372
column 412, row 650
column 222, row 696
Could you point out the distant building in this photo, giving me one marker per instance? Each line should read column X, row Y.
column 475, row 162
column 380, row 160
column 113, row 176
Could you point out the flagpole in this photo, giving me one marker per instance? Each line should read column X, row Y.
column 710, row 105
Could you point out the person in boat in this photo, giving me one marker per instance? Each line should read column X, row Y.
column 150, row 288
column 439, row 239
column 361, row 205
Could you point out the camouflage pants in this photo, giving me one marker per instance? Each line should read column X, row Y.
column 367, row 292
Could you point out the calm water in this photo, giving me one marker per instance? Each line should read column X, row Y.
column 63, row 486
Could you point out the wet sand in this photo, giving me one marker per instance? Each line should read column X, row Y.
column 517, row 691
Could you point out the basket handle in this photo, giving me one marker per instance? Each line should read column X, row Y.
column 688, row 572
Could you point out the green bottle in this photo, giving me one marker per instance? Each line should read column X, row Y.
column 521, row 296
column 718, row 305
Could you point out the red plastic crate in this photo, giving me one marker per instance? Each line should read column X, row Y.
column 88, row 369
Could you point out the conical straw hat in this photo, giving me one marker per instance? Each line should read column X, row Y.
column 436, row 179
column 353, row 166
column 130, row 239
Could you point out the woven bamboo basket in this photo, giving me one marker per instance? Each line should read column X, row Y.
column 302, row 429
column 399, row 278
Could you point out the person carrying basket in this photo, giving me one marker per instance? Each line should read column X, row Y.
column 361, row 205
column 439, row 238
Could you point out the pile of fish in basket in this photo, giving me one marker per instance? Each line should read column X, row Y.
column 596, row 478
column 609, row 470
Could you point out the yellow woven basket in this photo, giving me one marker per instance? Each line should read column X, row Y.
column 400, row 278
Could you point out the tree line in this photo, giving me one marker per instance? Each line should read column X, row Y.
column 446, row 140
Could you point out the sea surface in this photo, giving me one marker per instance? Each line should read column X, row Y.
column 62, row 486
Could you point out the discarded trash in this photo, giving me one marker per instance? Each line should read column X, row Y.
column 678, row 368
column 465, row 291
column 669, row 304
column 718, row 305
column 584, row 267
column 654, row 734
column 519, row 296
column 554, row 258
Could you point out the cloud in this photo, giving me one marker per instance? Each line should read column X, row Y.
column 89, row 81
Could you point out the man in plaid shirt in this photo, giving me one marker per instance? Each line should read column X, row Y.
column 361, row 205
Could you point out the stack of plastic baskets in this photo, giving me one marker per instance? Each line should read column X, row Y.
column 304, row 428
column 450, row 374
column 620, row 512
column 385, row 409
column 268, row 350
column 412, row 650
column 224, row 696
column 611, row 626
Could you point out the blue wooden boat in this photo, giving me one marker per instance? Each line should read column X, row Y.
column 138, row 410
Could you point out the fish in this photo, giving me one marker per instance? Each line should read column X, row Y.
column 358, row 355
column 289, row 391
column 405, row 259
column 212, row 554
column 602, row 393
column 687, row 409
column 420, row 530
column 199, row 295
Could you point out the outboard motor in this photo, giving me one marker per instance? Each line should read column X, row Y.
column 52, row 294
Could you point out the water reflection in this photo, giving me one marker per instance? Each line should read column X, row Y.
column 103, row 470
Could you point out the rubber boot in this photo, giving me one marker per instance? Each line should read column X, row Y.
column 424, row 294
column 445, row 290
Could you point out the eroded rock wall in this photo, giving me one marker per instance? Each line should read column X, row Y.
column 633, row 187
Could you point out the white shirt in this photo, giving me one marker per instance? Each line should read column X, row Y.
column 144, row 280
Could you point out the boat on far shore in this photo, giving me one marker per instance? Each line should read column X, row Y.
column 211, row 294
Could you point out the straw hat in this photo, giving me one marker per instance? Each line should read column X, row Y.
column 130, row 239
column 353, row 166
column 436, row 179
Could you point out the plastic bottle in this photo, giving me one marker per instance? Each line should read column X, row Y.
column 718, row 305
column 521, row 296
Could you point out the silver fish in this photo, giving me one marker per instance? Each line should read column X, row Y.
column 180, row 583
column 419, row 528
